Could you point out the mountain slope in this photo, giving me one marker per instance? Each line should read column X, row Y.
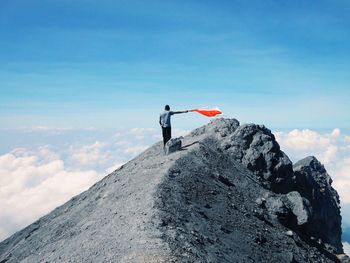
column 230, row 195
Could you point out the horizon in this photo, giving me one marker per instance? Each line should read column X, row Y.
column 83, row 83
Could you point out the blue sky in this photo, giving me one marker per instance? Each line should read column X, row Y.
column 83, row 82
column 116, row 63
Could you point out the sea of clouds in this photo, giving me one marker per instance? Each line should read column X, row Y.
column 36, row 179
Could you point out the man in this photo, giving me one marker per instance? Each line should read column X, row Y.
column 164, row 121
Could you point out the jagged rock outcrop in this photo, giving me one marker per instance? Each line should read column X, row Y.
column 256, row 148
column 223, row 198
column 314, row 183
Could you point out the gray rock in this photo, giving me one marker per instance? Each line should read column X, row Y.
column 289, row 233
column 299, row 206
column 261, row 201
column 220, row 126
column 290, row 209
column 314, row 183
column 173, row 145
column 256, row 148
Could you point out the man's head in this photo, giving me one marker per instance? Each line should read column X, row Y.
column 167, row 107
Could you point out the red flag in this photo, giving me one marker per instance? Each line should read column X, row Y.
column 208, row 112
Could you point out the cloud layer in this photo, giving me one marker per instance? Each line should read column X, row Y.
column 33, row 183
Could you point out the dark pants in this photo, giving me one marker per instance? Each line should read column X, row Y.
column 166, row 134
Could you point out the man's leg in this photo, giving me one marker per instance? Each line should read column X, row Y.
column 164, row 135
column 168, row 134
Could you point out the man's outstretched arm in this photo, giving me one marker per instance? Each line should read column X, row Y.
column 178, row 112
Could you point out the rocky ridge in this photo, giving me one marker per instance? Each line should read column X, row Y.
column 228, row 195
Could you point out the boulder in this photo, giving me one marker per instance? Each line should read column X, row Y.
column 299, row 206
column 290, row 209
column 173, row 145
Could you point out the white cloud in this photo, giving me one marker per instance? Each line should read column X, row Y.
column 300, row 143
column 329, row 155
column 148, row 133
column 141, row 133
column 121, row 143
column 346, row 247
column 134, row 150
column 341, row 182
column 137, row 133
column 178, row 132
column 335, row 133
column 332, row 149
column 89, row 153
column 302, row 139
column 32, row 184
column 136, row 140
column 49, row 130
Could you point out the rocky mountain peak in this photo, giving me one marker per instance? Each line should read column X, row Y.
column 315, row 170
column 255, row 147
column 228, row 194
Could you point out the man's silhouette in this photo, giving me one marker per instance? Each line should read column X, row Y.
column 164, row 121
